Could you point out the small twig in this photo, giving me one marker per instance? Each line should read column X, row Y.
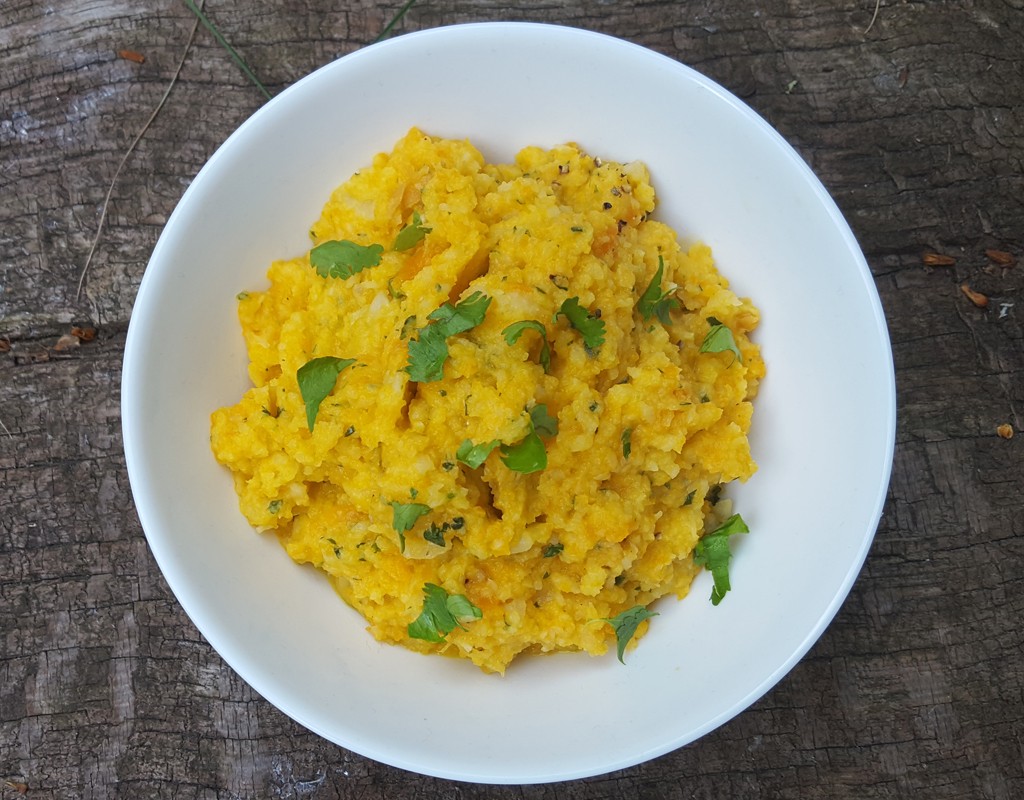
column 878, row 5
column 224, row 43
column 394, row 21
column 127, row 153
column 4, row 428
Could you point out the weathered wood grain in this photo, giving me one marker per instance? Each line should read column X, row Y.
column 917, row 128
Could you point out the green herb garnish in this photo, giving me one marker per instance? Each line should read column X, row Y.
column 625, row 625
column 553, row 550
column 473, row 455
column 515, row 330
column 654, row 302
column 435, row 533
column 627, row 442
column 590, row 326
column 712, row 552
column 274, row 506
column 529, row 455
column 316, row 380
column 442, row 612
column 429, row 351
column 720, row 340
column 343, row 259
column 404, row 517
column 412, row 234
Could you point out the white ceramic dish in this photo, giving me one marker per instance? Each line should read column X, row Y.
column 823, row 428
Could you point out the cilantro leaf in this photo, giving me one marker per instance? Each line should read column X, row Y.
column 589, row 325
column 412, row 234
column 343, row 259
column 529, row 455
column 719, row 340
column 553, row 550
column 515, row 330
column 435, row 534
column 404, row 516
column 462, row 609
column 654, row 302
column 473, row 455
column 427, row 354
column 542, row 421
column 461, row 317
column 525, row 456
column 627, row 442
column 316, row 379
column 625, row 625
column 441, row 614
column 429, row 351
column 713, row 553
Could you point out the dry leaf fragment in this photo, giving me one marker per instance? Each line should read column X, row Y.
column 937, row 260
column 84, row 334
column 20, row 788
column 131, row 55
column 979, row 299
column 66, row 342
column 1001, row 258
column 1005, row 430
column 5, row 345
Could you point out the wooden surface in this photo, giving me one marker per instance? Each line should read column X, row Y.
column 917, row 128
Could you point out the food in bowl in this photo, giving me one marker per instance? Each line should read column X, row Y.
column 496, row 404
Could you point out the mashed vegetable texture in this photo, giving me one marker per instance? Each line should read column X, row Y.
column 527, row 396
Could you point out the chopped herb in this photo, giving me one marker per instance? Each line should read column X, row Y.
column 429, row 351
column 525, row 456
column 529, row 454
column 589, row 325
column 713, row 553
column 396, row 294
column 404, row 517
column 350, row 430
column 593, row 406
column 560, row 282
column 434, row 534
column 442, row 612
column 553, row 550
column 274, row 506
column 473, row 455
column 542, row 421
column 655, row 302
column 412, row 234
column 447, row 465
column 515, row 330
column 689, row 498
column 714, row 494
column 407, row 327
column 343, row 259
column 719, row 340
column 316, row 380
column 576, row 229
column 627, row 442
column 241, row 295
column 413, row 492
column 625, row 625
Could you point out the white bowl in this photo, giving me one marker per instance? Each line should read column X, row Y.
column 823, row 424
